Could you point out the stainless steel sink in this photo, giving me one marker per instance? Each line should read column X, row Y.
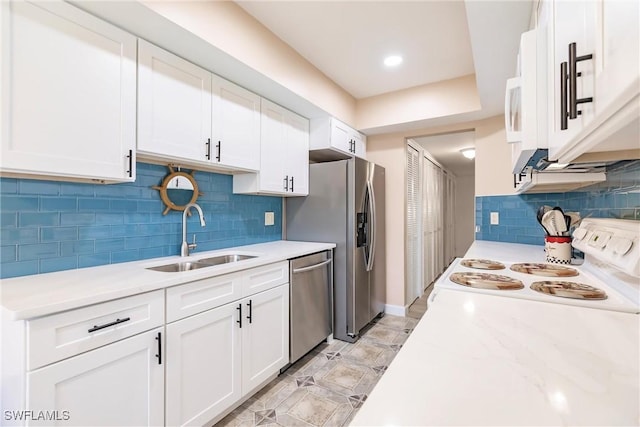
column 201, row 263
column 179, row 266
column 225, row 259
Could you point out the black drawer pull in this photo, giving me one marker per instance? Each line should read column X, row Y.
column 250, row 316
column 208, row 145
column 106, row 325
column 130, row 160
column 239, row 321
column 159, row 355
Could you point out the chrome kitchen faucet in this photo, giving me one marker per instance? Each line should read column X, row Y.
column 186, row 247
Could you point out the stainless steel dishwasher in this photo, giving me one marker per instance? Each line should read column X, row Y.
column 311, row 302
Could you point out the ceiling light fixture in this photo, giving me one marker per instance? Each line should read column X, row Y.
column 469, row 153
column 393, row 60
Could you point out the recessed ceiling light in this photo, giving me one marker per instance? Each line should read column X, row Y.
column 393, row 60
column 469, row 153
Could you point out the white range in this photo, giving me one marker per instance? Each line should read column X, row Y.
column 517, row 356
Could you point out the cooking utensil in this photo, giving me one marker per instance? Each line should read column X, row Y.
column 548, row 223
column 559, row 222
column 540, row 213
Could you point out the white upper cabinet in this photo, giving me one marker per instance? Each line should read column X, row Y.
column 572, row 26
column 174, row 105
column 236, row 126
column 602, row 112
column 68, row 94
column 284, row 155
column 188, row 115
column 297, row 163
column 333, row 140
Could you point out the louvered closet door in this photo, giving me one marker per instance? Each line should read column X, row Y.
column 414, row 288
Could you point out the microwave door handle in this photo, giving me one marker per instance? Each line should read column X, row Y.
column 512, row 134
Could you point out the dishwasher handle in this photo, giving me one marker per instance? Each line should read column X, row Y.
column 311, row 267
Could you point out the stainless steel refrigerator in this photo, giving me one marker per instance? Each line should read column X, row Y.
column 345, row 206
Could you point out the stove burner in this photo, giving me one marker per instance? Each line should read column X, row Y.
column 547, row 270
column 573, row 290
column 482, row 264
column 486, row 281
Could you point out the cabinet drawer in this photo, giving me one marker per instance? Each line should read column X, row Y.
column 196, row 297
column 56, row 337
column 265, row 277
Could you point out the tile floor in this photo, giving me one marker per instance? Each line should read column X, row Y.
column 327, row 386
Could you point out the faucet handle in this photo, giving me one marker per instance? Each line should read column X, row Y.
column 193, row 244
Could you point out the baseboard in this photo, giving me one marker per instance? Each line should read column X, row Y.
column 396, row 310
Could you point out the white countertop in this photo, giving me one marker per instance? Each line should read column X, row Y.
column 478, row 359
column 38, row 295
column 506, row 252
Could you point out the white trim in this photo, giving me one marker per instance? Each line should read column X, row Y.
column 396, row 310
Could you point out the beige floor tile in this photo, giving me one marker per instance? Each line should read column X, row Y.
column 327, row 386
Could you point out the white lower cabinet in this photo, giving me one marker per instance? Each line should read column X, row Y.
column 203, row 365
column 265, row 336
column 125, row 362
column 217, row 357
column 116, row 385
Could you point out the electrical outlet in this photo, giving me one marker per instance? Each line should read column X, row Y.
column 477, row 228
column 495, row 218
column 269, row 218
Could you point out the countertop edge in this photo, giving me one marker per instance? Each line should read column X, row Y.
column 16, row 294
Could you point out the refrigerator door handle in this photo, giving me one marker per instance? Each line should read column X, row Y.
column 372, row 224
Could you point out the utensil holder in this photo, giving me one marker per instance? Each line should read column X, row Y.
column 558, row 249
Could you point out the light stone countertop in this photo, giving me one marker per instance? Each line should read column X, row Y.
column 477, row 359
column 42, row 294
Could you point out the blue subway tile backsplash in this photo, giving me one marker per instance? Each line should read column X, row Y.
column 617, row 197
column 50, row 226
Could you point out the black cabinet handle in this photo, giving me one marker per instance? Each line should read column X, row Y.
column 250, row 311
column 219, row 147
column 292, row 184
column 573, row 77
column 239, row 321
column 130, row 158
column 286, row 183
column 208, row 153
column 159, row 355
column 106, row 325
column 564, row 114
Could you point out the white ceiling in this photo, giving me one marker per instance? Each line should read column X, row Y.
column 348, row 41
column 439, row 40
column 445, row 148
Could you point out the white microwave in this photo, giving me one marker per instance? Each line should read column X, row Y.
column 525, row 106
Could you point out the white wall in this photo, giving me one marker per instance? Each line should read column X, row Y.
column 493, row 159
column 464, row 213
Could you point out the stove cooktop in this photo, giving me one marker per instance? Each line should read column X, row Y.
column 523, row 280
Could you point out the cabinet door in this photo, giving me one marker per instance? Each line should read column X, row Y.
column 174, row 105
column 360, row 146
column 203, row 366
column 618, row 54
column 236, row 126
column 273, row 148
column 572, row 22
column 265, row 336
column 118, row 384
column 68, row 93
column 297, row 154
column 341, row 136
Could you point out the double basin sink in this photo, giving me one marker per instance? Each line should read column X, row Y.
column 201, row 263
